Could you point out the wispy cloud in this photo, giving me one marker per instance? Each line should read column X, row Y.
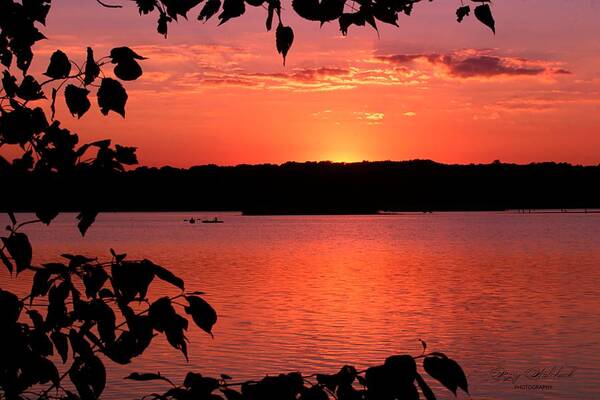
column 478, row 64
column 371, row 118
column 313, row 79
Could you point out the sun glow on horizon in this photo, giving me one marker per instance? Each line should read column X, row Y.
column 343, row 157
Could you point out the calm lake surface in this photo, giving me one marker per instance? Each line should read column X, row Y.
column 498, row 292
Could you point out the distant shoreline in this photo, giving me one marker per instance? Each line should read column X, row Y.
column 315, row 188
column 309, row 214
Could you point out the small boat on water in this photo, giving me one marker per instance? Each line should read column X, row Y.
column 191, row 220
column 215, row 220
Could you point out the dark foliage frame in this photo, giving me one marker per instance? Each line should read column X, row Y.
column 82, row 312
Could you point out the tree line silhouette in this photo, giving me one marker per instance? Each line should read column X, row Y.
column 314, row 188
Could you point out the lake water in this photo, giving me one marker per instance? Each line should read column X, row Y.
column 495, row 291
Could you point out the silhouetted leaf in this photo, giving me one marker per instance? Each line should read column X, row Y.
column 92, row 70
column 112, row 97
column 274, row 5
column 59, row 67
column 136, row 376
column 425, row 389
column 283, row 386
column 77, row 260
column 166, row 275
column 19, row 248
column 93, row 280
column 484, row 14
column 344, row 377
column 369, row 17
column 36, row 318
column 77, row 100
column 462, row 12
column 37, row 10
column 105, row 293
column 163, row 24
column 180, row 7
column 89, row 376
column 200, row 386
column 126, row 67
column 53, row 103
column 403, row 365
column 165, row 319
column 61, row 343
column 438, row 354
column 10, row 308
column 25, row 55
column 330, row 10
column 118, row 257
column 121, row 54
column 231, row 394
column 6, row 58
column 131, row 343
column 6, row 261
column 385, row 13
column 45, row 371
column 40, row 343
column 41, row 283
column 210, row 8
column 231, row 9
column 178, row 393
column 86, row 219
column 284, row 37
column 57, row 310
column 9, row 83
column 314, row 393
column 202, row 313
column 307, row 9
column 447, row 372
column 128, row 70
column 131, row 279
column 25, row 163
column 331, row 382
column 79, row 345
column 30, row 89
column 105, row 317
column 145, row 6
column 46, row 213
column 55, row 268
column 393, row 380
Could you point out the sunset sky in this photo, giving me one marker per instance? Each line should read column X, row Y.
column 432, row 88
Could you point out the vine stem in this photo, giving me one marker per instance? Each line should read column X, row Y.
column 108, row 5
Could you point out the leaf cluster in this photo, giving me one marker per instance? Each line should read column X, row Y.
column 79, row 309
column 345, row 12
column 47, row 147
column 397, row 378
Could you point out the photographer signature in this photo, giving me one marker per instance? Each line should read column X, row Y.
column 533, row 374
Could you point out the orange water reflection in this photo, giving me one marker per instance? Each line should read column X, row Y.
column 314, row 293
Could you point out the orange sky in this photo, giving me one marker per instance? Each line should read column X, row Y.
column 432, row 88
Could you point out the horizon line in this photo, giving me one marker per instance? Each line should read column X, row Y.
column 428, row 160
